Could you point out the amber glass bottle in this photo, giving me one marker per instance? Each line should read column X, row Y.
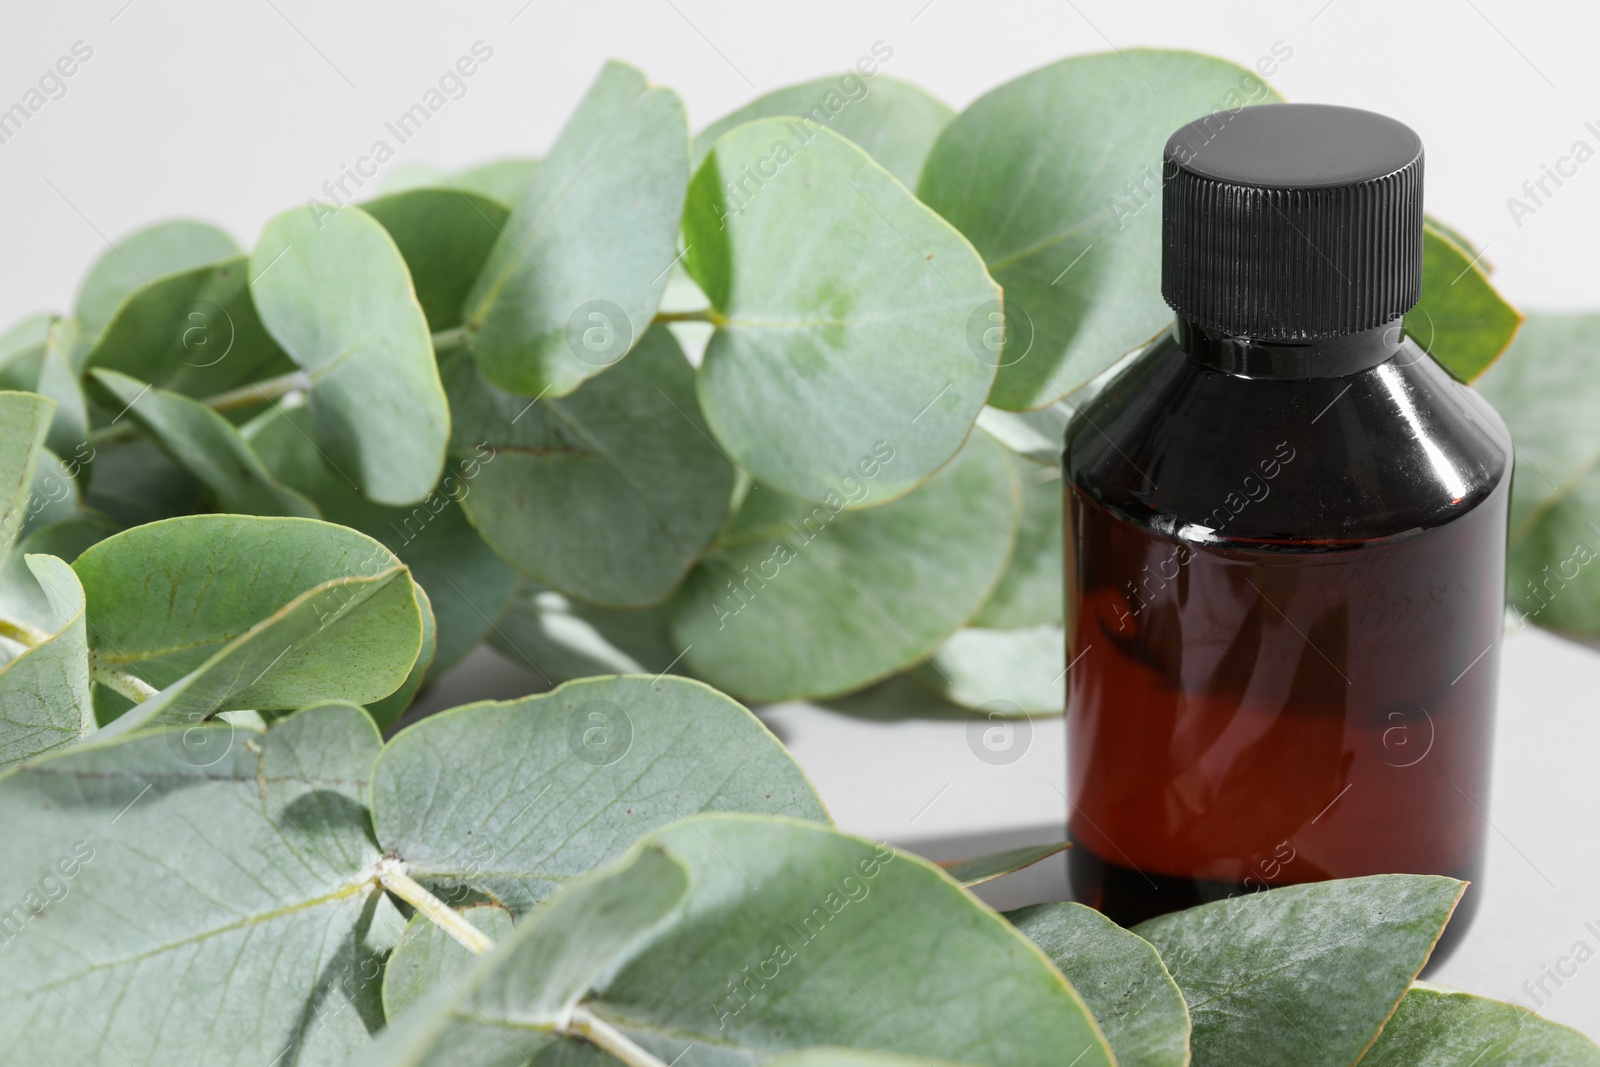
column 1285, row 544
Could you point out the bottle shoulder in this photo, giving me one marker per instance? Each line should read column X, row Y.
column 1216, row 457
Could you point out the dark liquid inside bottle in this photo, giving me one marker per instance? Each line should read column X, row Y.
column 1284, row 602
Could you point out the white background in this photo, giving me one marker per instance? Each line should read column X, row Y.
column 233, row 112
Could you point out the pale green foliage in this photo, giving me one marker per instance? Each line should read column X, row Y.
column 456, row 413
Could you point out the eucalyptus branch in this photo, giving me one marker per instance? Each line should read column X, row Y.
column 393, row 877
column 259, row 392
column 456, row 335
column 22, row 633
column 135, row 689
column 710, row 315
column 583, row 1023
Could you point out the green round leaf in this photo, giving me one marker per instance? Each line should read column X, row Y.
column 1120, row 976
column 1460, row 319
column 803, row 939
column 844, row 309
column 1436, row 1027
column 246, row 934
column 1004, row 673
column 385, row 712
column 588, row 246
column 873, row 948
column 195, row 333
column 1305, row 973
column 525, row 997
column 205, row 444
column 802, row 600
column 981, row 869
column 1056, row 178
column 141, row 258
column 44, row 689
column 223, row 612
column 426, row 955
column 24, row 422
column 53, row 496
column 570, row 778
column 1030, row 592
column 501, row 180
column 35, row 363
column 608, row 494
column 468, row 585
column 1546, row 390
column 333, row 290
column 444, row 235
column 895, row 122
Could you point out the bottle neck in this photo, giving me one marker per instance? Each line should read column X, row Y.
column 1322, row 357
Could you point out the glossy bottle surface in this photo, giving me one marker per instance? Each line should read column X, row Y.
column 1285, row 574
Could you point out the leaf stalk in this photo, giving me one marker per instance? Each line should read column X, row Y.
column 392, row 876
column 584, row 1023
column 259, row 392
column 135, row 689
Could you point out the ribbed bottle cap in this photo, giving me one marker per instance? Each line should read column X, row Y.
column 1292, row 221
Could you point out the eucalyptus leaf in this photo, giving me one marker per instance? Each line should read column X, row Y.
column 843, row 308
column 468, row 584
column 983, row 869
column 501, row 180
column 222, row 612
column 386, row 711
column 39, row 364
column 44, row 689
column 53, row 495
column 1003, row 673
column 895, row 122
column 1436, row 1027
column 608, row 494
column 205, row 444
column 195, row 332
column 564, row 639
column 1545, row 389
column 588, row 246
column 24, row 422
column 578, row 774
column 333, row 290
column 803, row 601
column 1030, row 592
column 251, row 935
column 1460, row 319
column 141, row 258
column 1301, row 974
column 803, row 937
column 25, row 337
column 522, row 999
column 1119, row 975
column 444, row 235
column 426, row 956
column 1056, row 178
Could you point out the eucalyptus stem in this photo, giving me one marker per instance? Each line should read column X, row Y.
column 22, row 633
column 456, row 335
column 703, row 315
column 590, row 1026
column 259, row 392
column 135, row 689
column 393, row 877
